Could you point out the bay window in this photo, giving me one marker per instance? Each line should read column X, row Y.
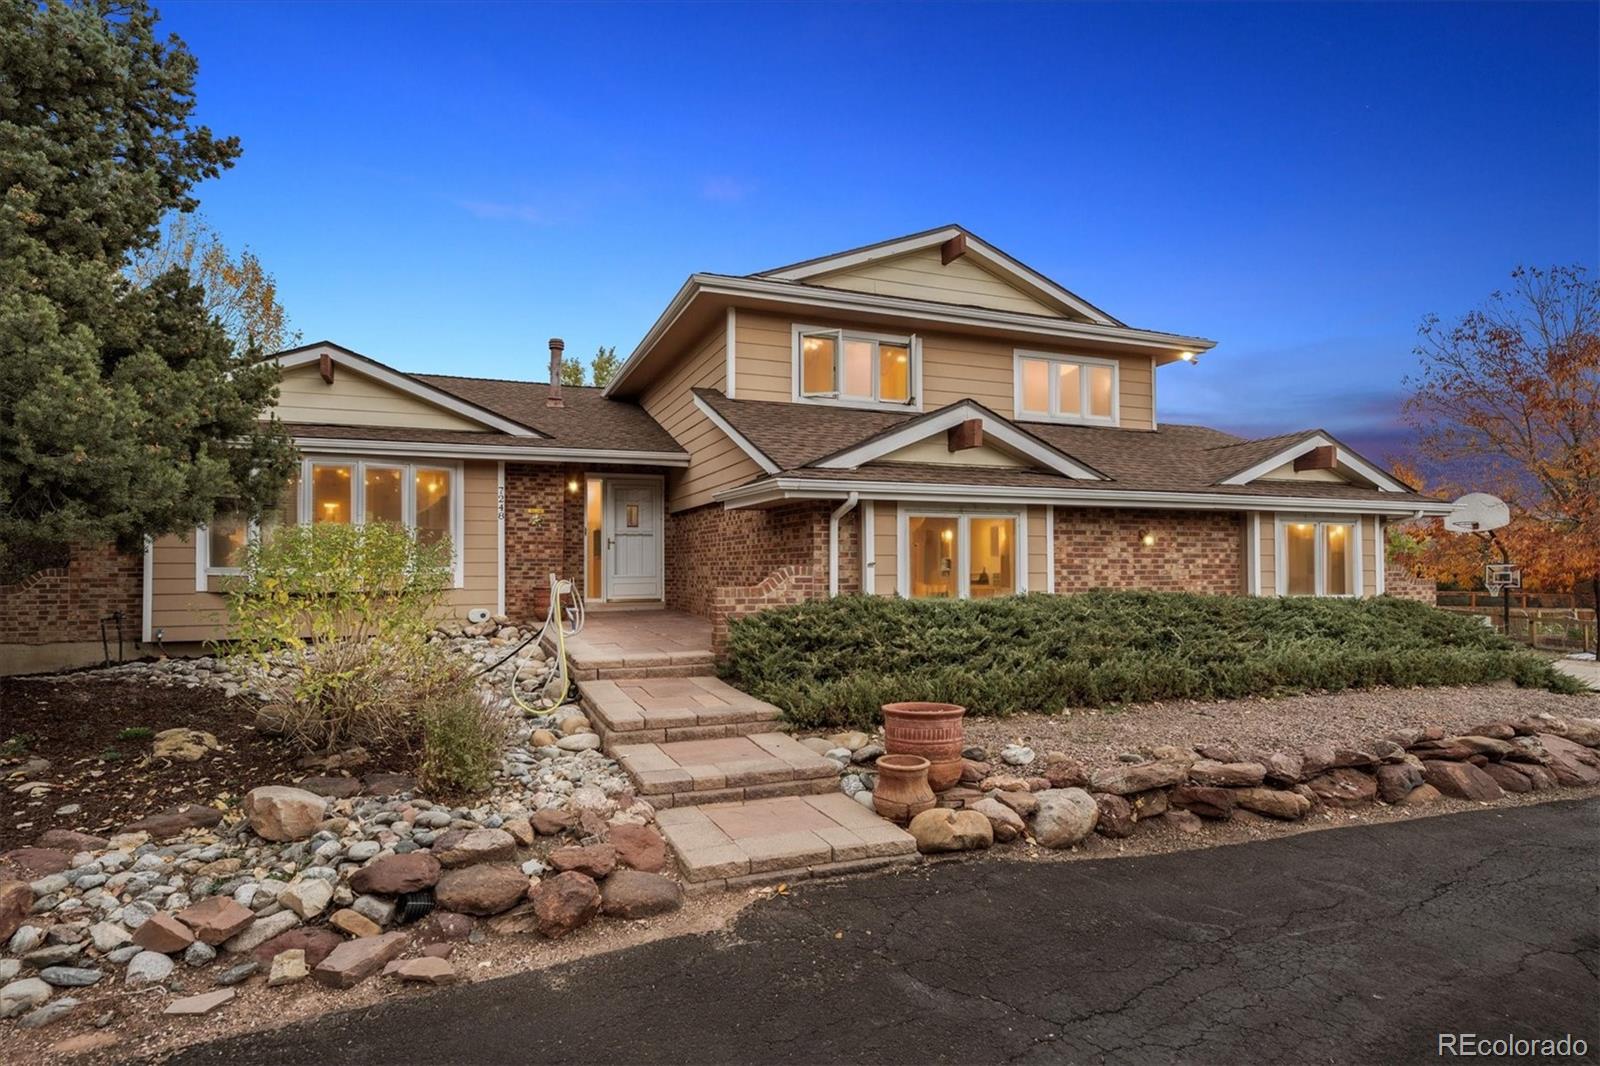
column 1318, row 557
column 854, row 368
column 962, row 556
column 1066, row 388
column 423, row 497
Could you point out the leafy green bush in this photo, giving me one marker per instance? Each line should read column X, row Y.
column 463, row 736
column 335, row 619
column 833, row 662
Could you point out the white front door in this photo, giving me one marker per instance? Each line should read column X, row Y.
column 632, row 539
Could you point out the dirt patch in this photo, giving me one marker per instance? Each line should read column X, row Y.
column 1097, row 737
column 96, row 734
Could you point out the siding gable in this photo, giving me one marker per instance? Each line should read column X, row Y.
column 357, row 400
column 920, row 275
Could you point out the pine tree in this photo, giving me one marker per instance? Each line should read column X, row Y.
column 125, row 410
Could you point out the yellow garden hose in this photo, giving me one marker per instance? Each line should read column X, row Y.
column 558, row 587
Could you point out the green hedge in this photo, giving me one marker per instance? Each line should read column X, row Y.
column 833, row 662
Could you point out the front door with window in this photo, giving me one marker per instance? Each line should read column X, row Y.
column 632, row 536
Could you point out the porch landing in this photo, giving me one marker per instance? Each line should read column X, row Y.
column 618, row 643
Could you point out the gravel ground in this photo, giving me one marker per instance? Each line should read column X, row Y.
column 1097, row 737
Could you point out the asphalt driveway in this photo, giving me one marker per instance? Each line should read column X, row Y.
column 1348, row 946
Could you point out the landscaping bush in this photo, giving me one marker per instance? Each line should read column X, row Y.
column 463, row 736
column 833, row 662
column 335, row 619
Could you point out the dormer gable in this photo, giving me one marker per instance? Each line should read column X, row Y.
column 1309, row 457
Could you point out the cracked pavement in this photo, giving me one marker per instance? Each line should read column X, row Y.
column 1353, row 945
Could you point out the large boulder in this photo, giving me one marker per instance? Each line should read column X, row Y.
column 1067, row 815
column 281, row 813
column 637, row 894
column 1227, row 774
column 1344, row 787
column 1139, row 777
column 1273, row 802
column 639, row 847
column 596, row 860
column 1573, row 765
column 1006, row 823
column 316, row 942
column 565, row 902
column 71, row 841
column 216, row 919
column 1204, row 800
column 32, row 864
column 1396, row 780
column 465, row 848
column 942, row 829
column 16, row 900
column 175, row 820
column 484, row 889
column 390, row 875
column 1116, row 815
column 1460, row 779
column 355, row 960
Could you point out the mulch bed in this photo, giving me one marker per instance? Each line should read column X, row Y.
column 77, row 724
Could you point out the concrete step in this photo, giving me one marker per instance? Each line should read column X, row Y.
column 683, row 773
column 655, row 710
column 728, row 845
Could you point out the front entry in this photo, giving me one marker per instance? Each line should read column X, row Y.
column 632, row 539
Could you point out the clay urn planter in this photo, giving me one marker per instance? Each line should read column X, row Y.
column 902, row 791
column 931, row 730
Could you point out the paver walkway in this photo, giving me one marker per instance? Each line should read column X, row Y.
column 737, row 800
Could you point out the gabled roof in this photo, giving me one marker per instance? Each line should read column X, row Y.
column 586, row 420
column 992, row 258
column 1260, row 457
column 410, row 384
column 883, row 444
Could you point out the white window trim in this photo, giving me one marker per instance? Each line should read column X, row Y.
column 358, row 506
column 1281, row 558
column 911, row 342
column 1057, row 358
column 963, row 516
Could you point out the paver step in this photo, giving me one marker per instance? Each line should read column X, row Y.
column 654, row 710
column 723, row 769
column 727, row 845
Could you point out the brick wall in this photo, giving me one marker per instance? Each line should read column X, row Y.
column 723, row 564
column 66, row 603
column 1194, row 551
column 1401, row 582
column 536, row 536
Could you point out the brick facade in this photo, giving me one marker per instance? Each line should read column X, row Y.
column 723, row 564
column 63, row 604
column 536, row 536
column 1194, row 551
column 1399, row 581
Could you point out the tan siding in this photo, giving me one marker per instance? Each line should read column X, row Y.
column 763, row 357
column 887, row 534
column 1287, row 472
column 921, row 276
column 1369, row 555
column 1269, row 554
column 935, row 449
column 1038, row 551
column 715, row 461
column 354, row 400
column 184, row 614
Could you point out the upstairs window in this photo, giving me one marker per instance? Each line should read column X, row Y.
column 1061, row 388
column 853, row 368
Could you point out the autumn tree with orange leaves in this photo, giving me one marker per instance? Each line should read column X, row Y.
column 1507, row 400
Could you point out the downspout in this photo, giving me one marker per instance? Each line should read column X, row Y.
column 833, row 541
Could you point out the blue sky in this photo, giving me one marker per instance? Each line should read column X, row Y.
column 443, row 187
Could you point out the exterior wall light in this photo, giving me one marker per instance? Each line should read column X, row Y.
column 1147, row 538
column 572, row 485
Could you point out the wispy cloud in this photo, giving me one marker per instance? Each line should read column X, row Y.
column 505, row 212
column 721, row 188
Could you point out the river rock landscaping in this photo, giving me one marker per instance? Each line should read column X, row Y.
column 1053, row 800
column 334, row 869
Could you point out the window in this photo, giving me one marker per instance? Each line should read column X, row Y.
column 960, row 556
column 846, row 367
column 424, row 498
column 1066, row 388
column 1319, row 557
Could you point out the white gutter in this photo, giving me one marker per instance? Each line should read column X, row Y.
column 426, row 450
column 895, row 308
column 833, row 541
column 769, row 489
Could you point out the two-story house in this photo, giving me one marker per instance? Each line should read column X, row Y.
column 925, row 417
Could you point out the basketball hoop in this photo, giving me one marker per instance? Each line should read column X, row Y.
column 1502, row 577
column 1477, row 512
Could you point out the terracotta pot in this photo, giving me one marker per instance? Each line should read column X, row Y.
column 931, row 730
column 902, row 791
